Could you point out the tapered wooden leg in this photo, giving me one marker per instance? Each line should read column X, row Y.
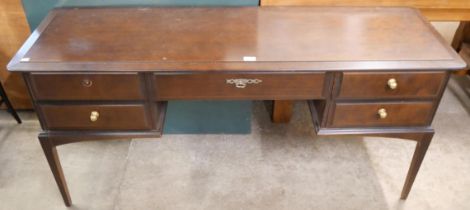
column 53, row 160
column 282, row 111
column 420, row 151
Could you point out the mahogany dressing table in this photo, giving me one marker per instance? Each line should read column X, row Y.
column 107, row 73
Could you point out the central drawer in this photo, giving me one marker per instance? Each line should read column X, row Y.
column 240, row 86
column 95, row 117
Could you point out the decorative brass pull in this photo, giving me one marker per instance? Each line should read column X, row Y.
column 94, row 116
column 392, row 84
column 87, row 83
column 241, row 83
column 382, row 113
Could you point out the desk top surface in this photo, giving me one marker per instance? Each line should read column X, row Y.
column 440, row 10
column 241, row 38
column 409, row 3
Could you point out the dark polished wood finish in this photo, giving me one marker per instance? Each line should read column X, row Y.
column 50, row 151
column 87, row 86
column 398, row 114
column 435, row 10
column 111, row 117
column 225, row 37
column 111, row 78
column 216, row 86
column 420, row 151
column 374, row 85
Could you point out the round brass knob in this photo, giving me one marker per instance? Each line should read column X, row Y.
column 87, row 83
column 392, row 84
column 94, row 116
column 382, row 113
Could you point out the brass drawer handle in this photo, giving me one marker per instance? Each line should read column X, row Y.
column 382, row 113
column 392, row 84
column 241, row 83
column 87, row 83
column 94, row 116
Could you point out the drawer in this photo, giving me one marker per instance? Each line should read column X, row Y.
column 382, row 114
column 240, row 86
column 49, row 86
column 95, row 117
column 392, row 84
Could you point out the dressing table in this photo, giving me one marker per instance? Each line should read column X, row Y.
column 107, row 73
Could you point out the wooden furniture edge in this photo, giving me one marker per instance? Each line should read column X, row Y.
column 432, row 14
column 16, row 60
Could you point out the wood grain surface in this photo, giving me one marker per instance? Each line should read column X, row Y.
column 432, row 9
column 111, row 117
column 87, row 86
column 215, row 86
column 398, row 114
column 375, row 85
column 244, row 38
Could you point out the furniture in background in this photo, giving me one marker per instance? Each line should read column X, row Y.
column 14, row 31
column 461, row 43
column 433, row 10
column 358, row 79
column 10, row 109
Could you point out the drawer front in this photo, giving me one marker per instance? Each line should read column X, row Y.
column 86, row 86
column 240, row 86
column 95, row 117
column 382, row 114
column 392, row 85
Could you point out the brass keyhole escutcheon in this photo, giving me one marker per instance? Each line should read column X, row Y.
column 94, row 116
column 87, row 83
column 242, row 83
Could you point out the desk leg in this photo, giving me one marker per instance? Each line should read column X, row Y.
column 420, row 151
column 282, row 111
column 51, row 154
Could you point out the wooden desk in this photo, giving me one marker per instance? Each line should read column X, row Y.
column 97, row 74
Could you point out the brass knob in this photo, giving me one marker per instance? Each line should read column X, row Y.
column 87, row 83
column 382, row 113
column 94, row 116
column 392, row 84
